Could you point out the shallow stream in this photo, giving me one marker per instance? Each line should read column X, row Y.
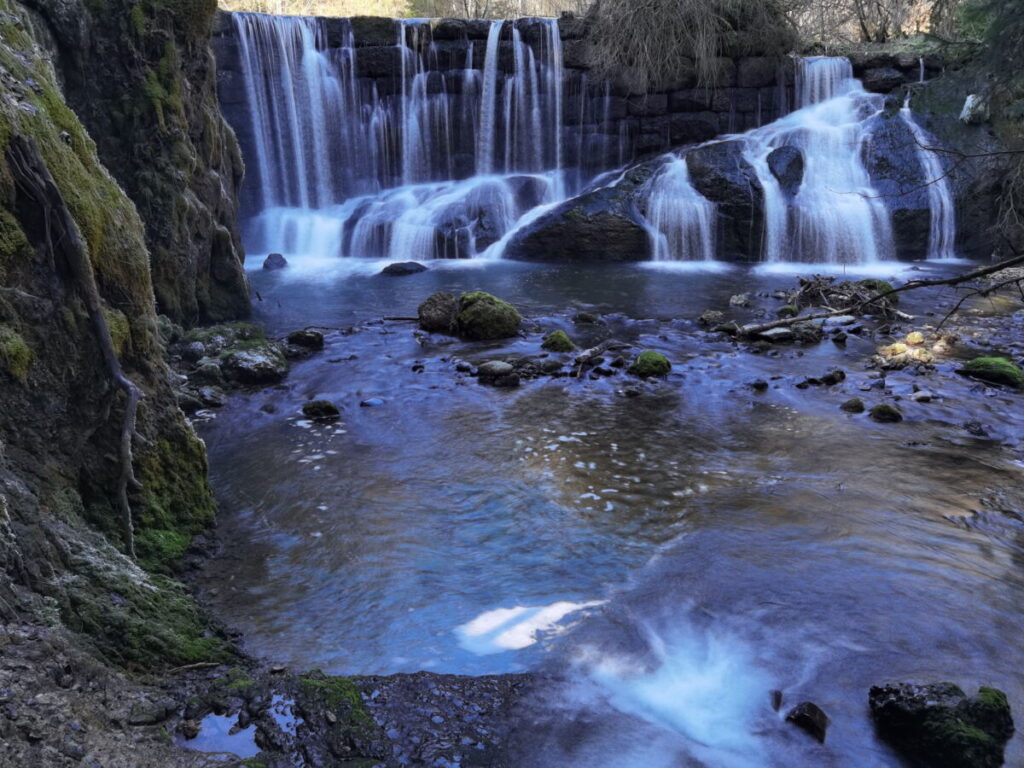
column 669, row 558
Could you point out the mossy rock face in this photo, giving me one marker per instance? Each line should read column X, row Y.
column 997, row 370
column 483, row 317
column 939, row 725
column 558, row 341
column 649, row 364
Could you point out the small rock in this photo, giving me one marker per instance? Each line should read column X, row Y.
column 321, row 410
column 833, row 377
column 777, row 334
column 189, row 728
column 307, row 339
column 759, row 385
column 976, row 428
column 463, row 367
column 558, row 341
column 260, row 366
column 924, row 396
column 740, row 300
column 853, row 405
column 789, row 310
column 586, row 318
column 996, row 370
column 372, row 402
column 402, row 268
column 711, row 318
column 649, row 363
column 810, row 717
column 275, row 261
column 839, row 320
column 886, row 413
column 495, row 368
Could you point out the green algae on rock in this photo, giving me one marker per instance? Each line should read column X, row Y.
column 558, row 341
column 997, row 370
column 649, row 364
column 483, row 317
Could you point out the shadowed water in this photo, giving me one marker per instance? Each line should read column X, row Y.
column 669, row 558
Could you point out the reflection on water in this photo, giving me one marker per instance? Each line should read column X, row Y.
column 736, row 541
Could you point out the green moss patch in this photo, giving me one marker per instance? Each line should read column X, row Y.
column 649, row 364
column 997, row 370
column 484, row 317
column 15, row 353
column 558, row 341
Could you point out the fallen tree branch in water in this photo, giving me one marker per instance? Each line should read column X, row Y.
column 757, row 329
column 62, row 241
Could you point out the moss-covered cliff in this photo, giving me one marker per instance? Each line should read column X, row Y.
column 61, row 540
column 140, row 76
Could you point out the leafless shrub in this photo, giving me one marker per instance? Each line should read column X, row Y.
column 648, row 43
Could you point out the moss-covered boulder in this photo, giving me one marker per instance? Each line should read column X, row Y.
column 997, row 370
column 558, row 341
column 483, row 317
column 649, row 364
column 938, row 725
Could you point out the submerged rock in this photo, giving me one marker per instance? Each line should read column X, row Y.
column 313, row 340
column 648, row 364
column 940, row 726
column 811, row 718
column 997, row 370
column 321, row 410
column 854, row 405
column 484, row 317
column 558, row 341
column 886, row 413
column 400, row 269
column 275, row 261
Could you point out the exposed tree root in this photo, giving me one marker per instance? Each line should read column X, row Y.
column 63, row 244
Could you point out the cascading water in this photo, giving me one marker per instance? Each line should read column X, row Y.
column 356, row 166
column 682, row 220
column 942, row 222
column 835, row 216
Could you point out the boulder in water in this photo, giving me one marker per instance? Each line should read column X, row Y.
column 313, row 340
column 439, row 313
column 997, row 370
column 483, row 317
column 498, row 373
column 275, row 261
column 558, row 341
column 649, row 363
column 787, row 165
column 938, row 725
column 601, row 225
column 886, row 413
column 402, row 268
column 811, row 718
column 260, row 365
column 320, row 410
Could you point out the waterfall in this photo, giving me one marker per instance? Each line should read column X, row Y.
column 397, row 161
column 682, row 220
column 942, row 210
column 835, row 216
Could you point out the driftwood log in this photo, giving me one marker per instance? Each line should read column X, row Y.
column 63, row 244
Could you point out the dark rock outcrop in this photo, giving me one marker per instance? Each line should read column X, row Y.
column 602, row 225
column 720, row 173
column 938, row 725
column 787, row 165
